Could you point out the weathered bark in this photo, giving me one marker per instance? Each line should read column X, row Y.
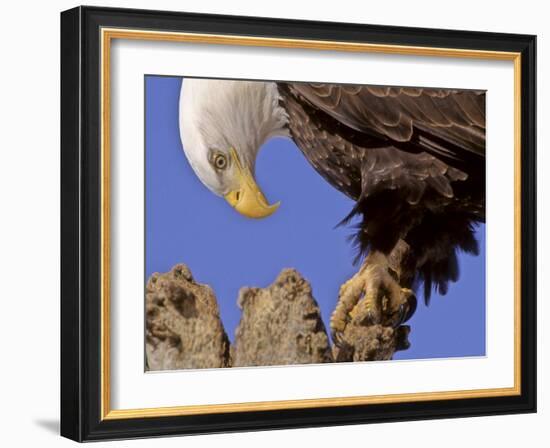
column 183, row 326
column 280, row 324
column 371, row 342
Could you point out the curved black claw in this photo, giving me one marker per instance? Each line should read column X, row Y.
column 406, row 311
column 401, row 314
column 411, row 305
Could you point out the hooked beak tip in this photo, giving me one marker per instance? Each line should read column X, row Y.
column 248, row 199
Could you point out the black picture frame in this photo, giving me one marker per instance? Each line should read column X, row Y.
column 81, row 224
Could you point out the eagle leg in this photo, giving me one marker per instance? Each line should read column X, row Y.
column 372, row 296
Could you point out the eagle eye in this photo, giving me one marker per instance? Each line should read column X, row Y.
column 220, row 161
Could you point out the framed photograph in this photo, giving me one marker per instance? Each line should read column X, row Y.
column 275, row 224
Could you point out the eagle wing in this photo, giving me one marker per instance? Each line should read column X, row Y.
column 395, row 137
column 449, row 124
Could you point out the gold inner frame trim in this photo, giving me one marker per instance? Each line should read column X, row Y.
column 107, row 35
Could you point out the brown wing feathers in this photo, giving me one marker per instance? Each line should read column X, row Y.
column 395, row 112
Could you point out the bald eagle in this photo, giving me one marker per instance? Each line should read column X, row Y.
column 412, row 159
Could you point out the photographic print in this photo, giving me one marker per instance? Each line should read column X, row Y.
column 343, row 212
column 303, row 223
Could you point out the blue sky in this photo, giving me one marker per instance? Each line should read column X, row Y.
column 186, row 223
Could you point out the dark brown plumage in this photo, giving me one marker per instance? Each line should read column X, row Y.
column 413, row 159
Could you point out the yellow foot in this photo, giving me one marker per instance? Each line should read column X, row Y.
column 372, row 296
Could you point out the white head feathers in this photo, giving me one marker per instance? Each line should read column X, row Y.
column 217, row 115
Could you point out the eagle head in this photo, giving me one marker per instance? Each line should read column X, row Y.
column 223, row 124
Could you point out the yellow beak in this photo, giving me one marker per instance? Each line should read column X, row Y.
column 248, row 199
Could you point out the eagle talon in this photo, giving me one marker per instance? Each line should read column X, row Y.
column 405, row 310
column 408, row 306
column 365, row 314
column 337, row 327
column 373, row 296
column 338, row 338
column 371, row 318
column 402, row 314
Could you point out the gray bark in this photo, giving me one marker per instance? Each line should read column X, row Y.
column 183, row 326
column 280, row 325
